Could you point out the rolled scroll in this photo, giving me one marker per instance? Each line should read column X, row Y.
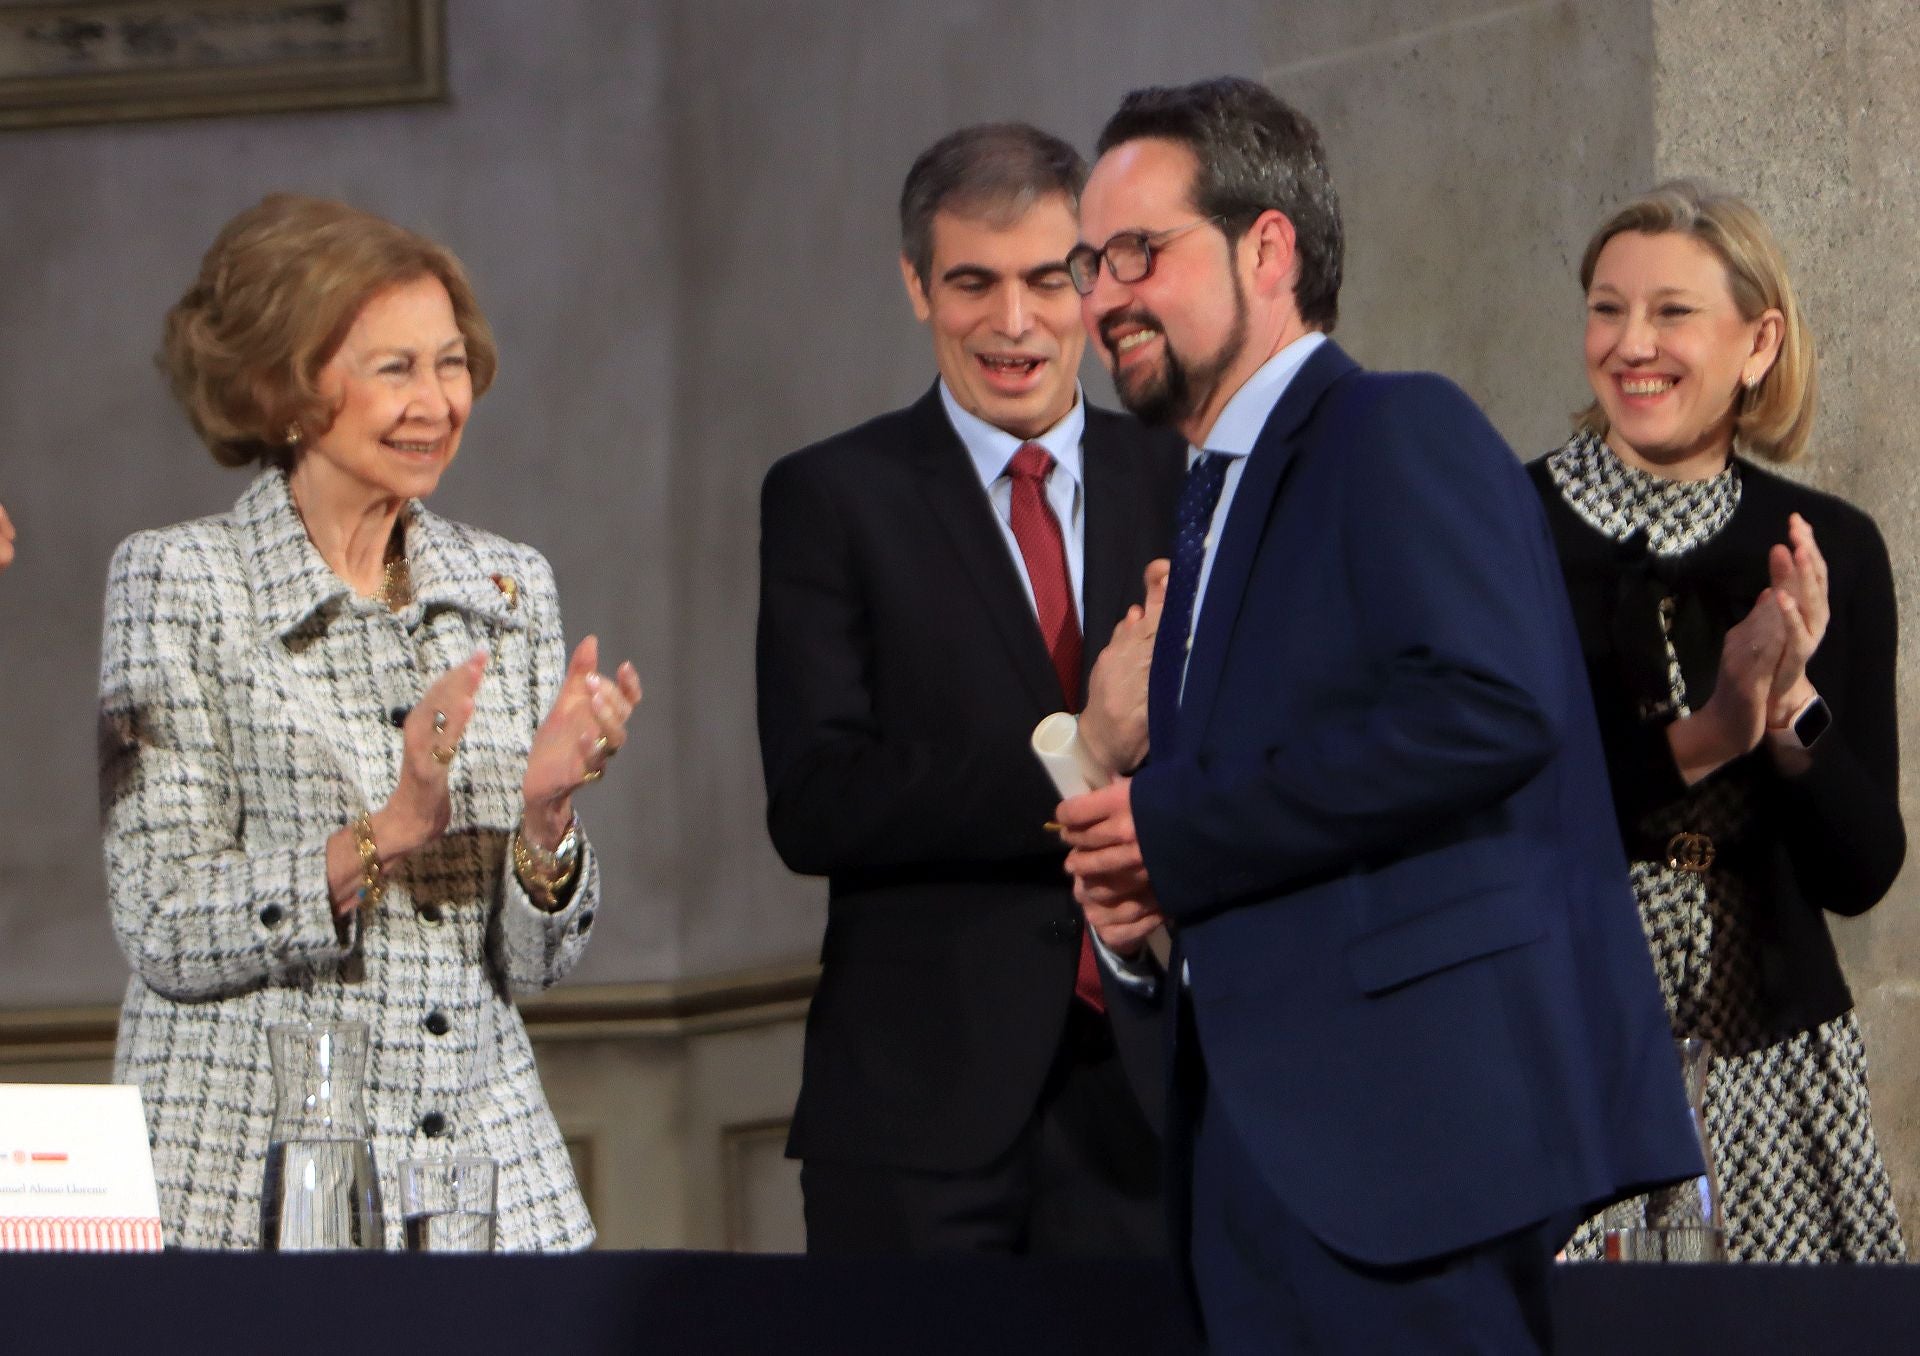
column 1066, row 757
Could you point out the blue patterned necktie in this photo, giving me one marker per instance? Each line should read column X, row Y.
column 1192, row 517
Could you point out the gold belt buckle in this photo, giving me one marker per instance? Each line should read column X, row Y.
column 1690, row 852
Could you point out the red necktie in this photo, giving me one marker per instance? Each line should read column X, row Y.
column 1045, row 552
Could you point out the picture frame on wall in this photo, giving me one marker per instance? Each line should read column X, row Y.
column 110, row 61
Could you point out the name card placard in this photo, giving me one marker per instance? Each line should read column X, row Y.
column 76, row 1174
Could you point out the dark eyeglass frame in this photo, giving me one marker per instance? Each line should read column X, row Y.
column 1083, row 261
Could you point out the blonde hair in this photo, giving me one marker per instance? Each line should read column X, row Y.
column 277, row 292
column 1773, row 418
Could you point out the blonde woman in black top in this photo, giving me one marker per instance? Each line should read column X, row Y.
column 1740, row 636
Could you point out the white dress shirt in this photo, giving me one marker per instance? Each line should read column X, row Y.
column 992, row 448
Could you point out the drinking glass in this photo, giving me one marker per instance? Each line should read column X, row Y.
column 448, row 1204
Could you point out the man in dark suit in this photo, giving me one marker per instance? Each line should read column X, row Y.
column 1419, row 1035
column 926, row 583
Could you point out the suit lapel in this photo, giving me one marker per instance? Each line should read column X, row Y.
column 965, row 515
column 1280, row 441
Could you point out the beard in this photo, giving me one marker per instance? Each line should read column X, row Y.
column 1175, row 390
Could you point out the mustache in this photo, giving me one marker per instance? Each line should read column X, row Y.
column 1136, row 316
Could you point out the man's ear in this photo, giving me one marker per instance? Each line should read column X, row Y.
column 1276, row 261
column 916, row 290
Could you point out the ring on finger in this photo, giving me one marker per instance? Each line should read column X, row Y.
column 593, row 774
column 439, row 722
column 441, row 754
column 603, row 748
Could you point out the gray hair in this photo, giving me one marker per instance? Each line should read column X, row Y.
column 996, row 171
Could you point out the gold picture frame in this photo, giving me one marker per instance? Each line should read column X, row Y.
column 137, row 59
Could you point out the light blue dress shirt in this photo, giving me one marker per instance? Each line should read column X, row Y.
column 992, row 448
column 1233, row 435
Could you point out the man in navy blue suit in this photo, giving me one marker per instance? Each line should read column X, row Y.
column 1418, row 1035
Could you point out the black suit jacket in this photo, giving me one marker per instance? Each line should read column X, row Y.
column 901, row 672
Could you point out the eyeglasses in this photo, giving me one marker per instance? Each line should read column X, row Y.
column 1129, row 256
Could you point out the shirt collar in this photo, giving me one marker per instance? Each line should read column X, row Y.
column 291, row 581
column 992, row 448
column 1238, row 428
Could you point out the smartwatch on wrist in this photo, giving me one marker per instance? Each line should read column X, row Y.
column 1810, row 722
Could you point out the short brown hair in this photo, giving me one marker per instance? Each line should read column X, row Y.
column 277, row 293
column 1774, row 418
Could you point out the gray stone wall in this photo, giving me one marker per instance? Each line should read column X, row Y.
column 1474, row 145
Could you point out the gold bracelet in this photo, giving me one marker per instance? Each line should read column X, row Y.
column 373, row 881
column 547, row 875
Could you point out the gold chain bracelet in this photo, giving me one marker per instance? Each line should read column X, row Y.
column 547, row 875
column 373, row 880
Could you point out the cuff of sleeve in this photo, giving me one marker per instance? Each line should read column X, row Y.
column 584, row 887
column 293, row 904
column 1140, row 975
column 1664, row 782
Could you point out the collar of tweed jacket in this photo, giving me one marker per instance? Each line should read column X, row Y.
column 450, row 566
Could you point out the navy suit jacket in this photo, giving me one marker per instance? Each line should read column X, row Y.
column 1383, row 830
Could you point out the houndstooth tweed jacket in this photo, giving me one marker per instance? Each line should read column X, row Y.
column 248, row 707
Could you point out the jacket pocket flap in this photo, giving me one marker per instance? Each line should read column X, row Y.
column 1466, row 929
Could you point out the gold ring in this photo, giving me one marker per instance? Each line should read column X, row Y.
column 442, row 754
column 593, row 774
column 602, row 749
column 439, row 721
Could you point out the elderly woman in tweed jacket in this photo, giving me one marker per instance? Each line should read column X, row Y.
column 341, row 738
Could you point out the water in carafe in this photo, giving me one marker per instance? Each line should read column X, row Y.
column 320, row 1196
column 321, row 1190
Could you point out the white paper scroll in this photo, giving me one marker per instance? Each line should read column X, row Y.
column 1065, row 756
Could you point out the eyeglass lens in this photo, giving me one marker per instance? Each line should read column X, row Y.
column 1129, row 259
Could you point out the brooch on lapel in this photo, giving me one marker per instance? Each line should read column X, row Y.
column 509, row 589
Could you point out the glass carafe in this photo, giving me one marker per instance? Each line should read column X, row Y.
column 1683, row 1222
column 321, row 1193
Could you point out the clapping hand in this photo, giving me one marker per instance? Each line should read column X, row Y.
column 585, row 729
column 1114, row 724
column 1734, row 719
column 1800, row 592
column 420, row 808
